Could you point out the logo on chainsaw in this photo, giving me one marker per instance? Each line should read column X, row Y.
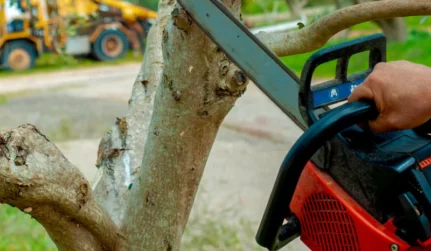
column 333, row 94
column 352, row 88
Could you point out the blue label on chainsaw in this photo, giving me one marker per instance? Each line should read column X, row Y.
column 335, row 93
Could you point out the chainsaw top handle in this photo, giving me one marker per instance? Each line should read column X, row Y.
column 314, row 99
column 272, row 234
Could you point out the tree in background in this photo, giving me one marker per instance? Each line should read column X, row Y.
column 296, row 6
column 152, row 159
column 395, row 29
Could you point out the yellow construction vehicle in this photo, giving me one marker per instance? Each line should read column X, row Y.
column 30, row 28
column 26, row 31
column 110, row 29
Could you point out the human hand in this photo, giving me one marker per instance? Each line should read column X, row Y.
column 401, row 91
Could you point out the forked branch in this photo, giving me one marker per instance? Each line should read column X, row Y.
column 317, row 34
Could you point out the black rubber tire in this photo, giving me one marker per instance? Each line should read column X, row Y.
column 25, row 47
column 100, row 52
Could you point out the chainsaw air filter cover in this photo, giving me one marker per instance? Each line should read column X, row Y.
column 328, row 223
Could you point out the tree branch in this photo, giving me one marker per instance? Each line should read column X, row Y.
column 317, row 34
column 36, row 178
column 198, row 88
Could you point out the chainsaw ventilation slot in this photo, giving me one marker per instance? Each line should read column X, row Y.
column 425, row 163
column 327, row 223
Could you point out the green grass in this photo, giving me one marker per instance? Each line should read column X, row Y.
column 3, row 99
column 20, row 232
column 52, row 62
column 207, row 231
column 416, row 49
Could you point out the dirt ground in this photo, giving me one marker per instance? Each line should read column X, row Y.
column 74, row 108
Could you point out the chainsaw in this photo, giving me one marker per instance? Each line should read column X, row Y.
column 341, row 186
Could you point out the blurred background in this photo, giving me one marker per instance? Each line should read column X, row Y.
column 66, row 71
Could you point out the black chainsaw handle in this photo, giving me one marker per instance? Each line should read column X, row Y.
column 272, row 234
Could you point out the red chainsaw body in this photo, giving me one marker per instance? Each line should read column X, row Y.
column 331, row 220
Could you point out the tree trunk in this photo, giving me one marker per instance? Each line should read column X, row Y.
column 395, row 29
column 199, row 86
column 121, row 149
column 296, row 6
column 186, row 86
column 338, row 4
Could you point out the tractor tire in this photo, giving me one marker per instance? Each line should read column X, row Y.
column 18, row 55
column 110, row 45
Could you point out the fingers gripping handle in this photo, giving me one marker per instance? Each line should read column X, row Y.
column 272, row 234
column 375, row 44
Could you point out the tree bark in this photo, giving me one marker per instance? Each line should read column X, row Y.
column 198, row 89
column 121, row 149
